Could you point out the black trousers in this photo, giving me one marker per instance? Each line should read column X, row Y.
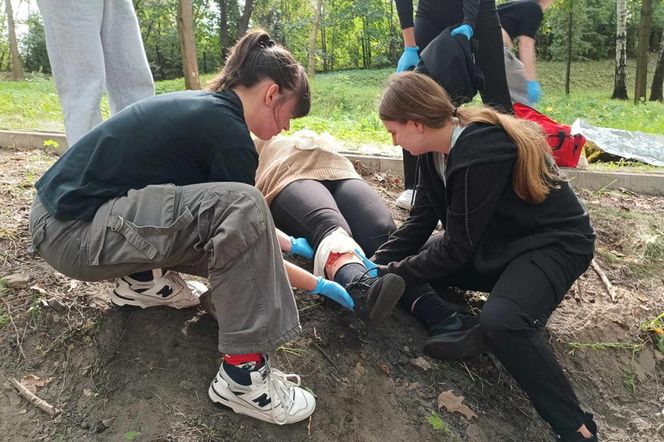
column 521, row 300
column 311, row 209
column 431, row 18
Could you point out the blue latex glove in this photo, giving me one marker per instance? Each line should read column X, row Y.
column 370, row 265
column 465, row 30
column 534, row 91
column 300, row 246
column 334, row 291
column 409, row 58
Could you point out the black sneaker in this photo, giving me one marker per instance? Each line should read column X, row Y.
column 375, row 297
column 457, row 337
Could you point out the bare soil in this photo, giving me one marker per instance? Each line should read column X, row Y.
column 121, row 375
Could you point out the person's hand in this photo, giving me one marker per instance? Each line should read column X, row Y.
column 300, row 246
column 534, row 91
column 334, row 291
column 369, row 264
column 466, row 30
column 409, row 58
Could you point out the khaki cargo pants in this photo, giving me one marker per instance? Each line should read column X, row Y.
column 222, row 231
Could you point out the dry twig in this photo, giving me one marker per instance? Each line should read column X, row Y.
column 18, row 338
column 605, row 280
column 34, row 399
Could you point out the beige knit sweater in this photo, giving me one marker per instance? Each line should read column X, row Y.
column 302, row 155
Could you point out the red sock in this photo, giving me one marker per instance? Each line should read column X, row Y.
column 253, row 360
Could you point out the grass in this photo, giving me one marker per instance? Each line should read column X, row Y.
column 345, row 102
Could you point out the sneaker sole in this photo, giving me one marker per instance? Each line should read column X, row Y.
column 390, row 293
column 456, row 345
column 404, row 206
column 247, row 410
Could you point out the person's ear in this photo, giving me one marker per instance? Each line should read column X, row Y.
column 271, row 94
column 419, row 127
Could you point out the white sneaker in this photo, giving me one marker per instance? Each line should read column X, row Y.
column 406, row 199
column 272, row 396
column 168, row 289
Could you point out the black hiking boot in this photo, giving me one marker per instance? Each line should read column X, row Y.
column 375, row 297
column 458, row 337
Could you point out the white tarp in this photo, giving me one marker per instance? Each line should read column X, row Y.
column 648, row 148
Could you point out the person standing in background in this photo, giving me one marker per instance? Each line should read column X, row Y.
column 93, row 46
column 472, row 18
column 520, row 20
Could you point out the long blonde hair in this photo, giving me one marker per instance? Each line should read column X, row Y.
column 411, row 96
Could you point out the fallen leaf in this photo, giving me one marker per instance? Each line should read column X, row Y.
column 32, row 382
column 39, row 289
column 413, row 386
column 454, row 404
column 384, row 367
column 421, row 362
column 360, row 370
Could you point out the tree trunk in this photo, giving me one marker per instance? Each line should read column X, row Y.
column 224, row 41
column 323, row 48
column 393, row 35
column 17, row 66
column 642, row 51
column 620, row 77
column 243, row 23
column 568, row 67
column 188, row 45
column 658, row 78
column 313, row 35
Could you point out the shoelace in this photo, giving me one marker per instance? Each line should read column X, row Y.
column 362, row 283
column 278, row 382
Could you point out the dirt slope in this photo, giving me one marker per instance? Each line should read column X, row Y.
column 142, row 375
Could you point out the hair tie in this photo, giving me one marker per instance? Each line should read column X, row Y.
column 454, row 112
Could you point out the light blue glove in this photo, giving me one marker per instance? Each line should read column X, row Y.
column 370, row 265
column 409, row 58
column 534, row 91
column 334, row 291
column 465, row 30
column 300, row 246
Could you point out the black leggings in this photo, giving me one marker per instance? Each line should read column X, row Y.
column 311, row 209
column 431, row 20
column 521, row 300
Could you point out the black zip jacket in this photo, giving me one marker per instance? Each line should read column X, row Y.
column 484, row 220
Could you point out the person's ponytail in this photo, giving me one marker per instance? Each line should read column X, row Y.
column 535, row 173
column 256, row 57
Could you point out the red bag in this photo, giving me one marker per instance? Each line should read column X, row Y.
column 566, row 147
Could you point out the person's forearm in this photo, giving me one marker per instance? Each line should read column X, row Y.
column 284, row 241
column 527, row 57
column 409, row 37
column 300, row 278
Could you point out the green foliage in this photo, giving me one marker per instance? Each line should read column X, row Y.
column 345, row 102
column 33, row 46
column 131, row 435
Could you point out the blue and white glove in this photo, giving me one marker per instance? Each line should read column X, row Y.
column 465, row 30
column 334, row 291
column 370, row 265
column 300, row 246
column 409, row 58
column 534, row 91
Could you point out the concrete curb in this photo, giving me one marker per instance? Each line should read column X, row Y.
column 643, row 183
column 50, row 141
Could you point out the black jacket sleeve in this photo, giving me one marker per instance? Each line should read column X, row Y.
column 474, row 193
column 237, row 165
column 470, row 10
column 405, row 13
column 409, row 238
